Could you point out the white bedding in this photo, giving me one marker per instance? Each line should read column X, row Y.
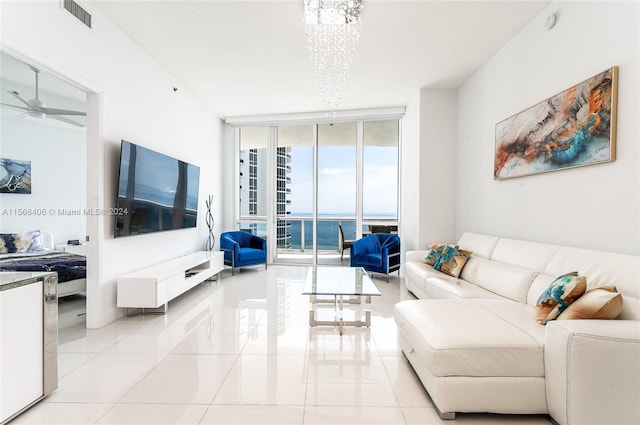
column 71, row 287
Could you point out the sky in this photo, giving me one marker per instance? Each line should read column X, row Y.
column 337, row 180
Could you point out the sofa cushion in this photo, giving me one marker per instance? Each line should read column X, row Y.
column 598, row 303
column 369, row 259
column 603, row 269
column 419, row 271
column 503, row 279
column 529, row 255
column 473, row 337
column 250, row 254
column 372, row 244
column 480, row 245
column 426, row 282
column 564, row 290
column 451, row 260
column 417, row 256
column 443, row 286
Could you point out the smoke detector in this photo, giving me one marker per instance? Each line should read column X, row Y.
column 550, row 22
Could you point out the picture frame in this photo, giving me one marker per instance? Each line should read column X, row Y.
column 15, row 176
column 574, row 128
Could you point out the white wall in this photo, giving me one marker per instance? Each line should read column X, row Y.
column 58, row 158
column 428, row 169
column 229, row 170
column 134, row 100
column 596, row 206
column 58, row 155
column 411, row 178
column 438, row 152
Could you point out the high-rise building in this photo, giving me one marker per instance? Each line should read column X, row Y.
column 253, row 189
column 282, row 192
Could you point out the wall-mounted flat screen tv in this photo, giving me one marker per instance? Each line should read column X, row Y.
column 155, row 192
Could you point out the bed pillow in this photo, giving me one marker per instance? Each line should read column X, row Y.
column 37, row 242
column 28, row 241
column 564, row 290
column 7, row 245
column 598, row 303
column 452, row 260
column 21, row 242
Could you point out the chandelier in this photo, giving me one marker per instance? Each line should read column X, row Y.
column 333, row 29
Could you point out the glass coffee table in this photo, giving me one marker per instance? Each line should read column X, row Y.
column 353, row 283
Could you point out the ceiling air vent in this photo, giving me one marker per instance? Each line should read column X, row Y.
column 76, row 10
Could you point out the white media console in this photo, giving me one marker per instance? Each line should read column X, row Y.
column 155, row 286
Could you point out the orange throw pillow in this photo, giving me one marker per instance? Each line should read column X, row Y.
column 564, row 290
column 598, row 303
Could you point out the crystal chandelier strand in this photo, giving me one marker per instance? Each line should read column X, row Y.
column 333, row 29
column 332, row 11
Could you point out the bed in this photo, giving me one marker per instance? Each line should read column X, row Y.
column 33, row 251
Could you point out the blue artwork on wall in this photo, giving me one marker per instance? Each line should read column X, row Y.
column 15, row 176
column 574, row 128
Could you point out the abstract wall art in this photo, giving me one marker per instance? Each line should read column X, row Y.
column 15, row 176
column 571, row 129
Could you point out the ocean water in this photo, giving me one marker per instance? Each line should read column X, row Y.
column 327, row 233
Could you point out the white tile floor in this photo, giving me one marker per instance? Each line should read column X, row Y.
column 240, row 352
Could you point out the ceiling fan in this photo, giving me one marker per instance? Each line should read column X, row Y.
column 37, row 109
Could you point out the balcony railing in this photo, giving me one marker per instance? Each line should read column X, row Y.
column 301, row 229
column 297, row 232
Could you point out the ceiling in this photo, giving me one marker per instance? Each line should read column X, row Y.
column 17, row 76
column 13, row 70
column 250, row 57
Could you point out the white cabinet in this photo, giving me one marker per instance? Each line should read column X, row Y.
column 155, row 286
column 77, row 249
column 74, row 249
column 25, row 356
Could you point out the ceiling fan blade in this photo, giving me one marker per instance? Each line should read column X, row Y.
column 36, row 108
column 54, row 111
column 17, row 96
column 22, row 108
column 67, row 120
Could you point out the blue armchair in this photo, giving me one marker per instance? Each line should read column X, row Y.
column 378, row 253
column 243, row 249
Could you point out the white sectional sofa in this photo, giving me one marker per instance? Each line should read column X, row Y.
column 476, row 346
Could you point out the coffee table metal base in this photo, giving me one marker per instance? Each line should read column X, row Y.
column 339, row 322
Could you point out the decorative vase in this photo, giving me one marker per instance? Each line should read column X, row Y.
column 211, row 240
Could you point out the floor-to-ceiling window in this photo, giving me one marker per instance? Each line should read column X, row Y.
column 301, row 186
column 337, row 188
column 295, row 150
column 380, row 174
column 252, row 180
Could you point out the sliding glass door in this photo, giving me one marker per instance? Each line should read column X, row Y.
column 337, row 191
column 380, row 175
column 294, row 196
column 309, row 188
column 252, row 179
